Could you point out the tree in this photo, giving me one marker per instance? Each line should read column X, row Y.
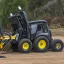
column 8, row 6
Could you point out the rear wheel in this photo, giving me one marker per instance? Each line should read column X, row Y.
column 57, row 45
column 41, row 44
column 25, row 46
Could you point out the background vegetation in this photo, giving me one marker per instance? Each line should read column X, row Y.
column 36, row 9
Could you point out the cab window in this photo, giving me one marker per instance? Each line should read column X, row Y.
column 42, row 28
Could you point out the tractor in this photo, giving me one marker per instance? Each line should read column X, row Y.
column 30, row 35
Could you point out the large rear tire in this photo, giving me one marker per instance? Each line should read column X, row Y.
column 57, row 45
column 41, row 44
column 25, row 46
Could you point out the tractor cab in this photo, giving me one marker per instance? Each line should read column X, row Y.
column 27, row 29
column 38, row 28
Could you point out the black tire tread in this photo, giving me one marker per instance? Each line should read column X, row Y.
column 21, row 42
column 53, row 47
column 35, row 44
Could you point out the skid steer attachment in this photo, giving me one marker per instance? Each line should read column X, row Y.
column 5, row 43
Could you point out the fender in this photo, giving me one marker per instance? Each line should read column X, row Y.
column 45, row 35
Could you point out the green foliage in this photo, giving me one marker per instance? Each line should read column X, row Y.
column 8, row 6
column 35, row 4
column 43, row 8
column 36, row 9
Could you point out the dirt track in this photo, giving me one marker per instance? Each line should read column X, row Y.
column 34, row 58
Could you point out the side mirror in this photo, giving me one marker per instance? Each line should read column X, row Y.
column 50, row 33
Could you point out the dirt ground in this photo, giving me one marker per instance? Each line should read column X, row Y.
column 34, row 58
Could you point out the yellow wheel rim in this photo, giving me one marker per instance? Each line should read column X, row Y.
column 58, row 45
column 1, row 46
column 42, row 44
column 25, row 46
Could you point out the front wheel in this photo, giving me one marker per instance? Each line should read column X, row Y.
column 25, row 46
column 57, row 45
